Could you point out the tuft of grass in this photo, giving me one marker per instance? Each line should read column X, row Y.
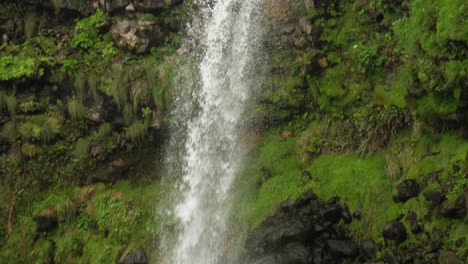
column 30, row 20
column 118, row 87
column 80, row 86
column 76, row 109
column 94, row 83
column 11, row 104
column 104, row 130
column 137, row 131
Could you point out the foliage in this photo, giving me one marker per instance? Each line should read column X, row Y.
column 16, row 67
column 138, row 130
column 86, row 34
column 76, row 109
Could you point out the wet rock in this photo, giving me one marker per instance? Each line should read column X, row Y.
column 342, row 248
column 151, row 5
column 456, row 208
column 332, row 212
column 136, row 256
column 307, row 232
column 395, row 231
column 297, row 253
column 406, row 190
column 45, row 223
column 369, row 249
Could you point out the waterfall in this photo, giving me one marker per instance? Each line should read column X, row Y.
column 223, row 40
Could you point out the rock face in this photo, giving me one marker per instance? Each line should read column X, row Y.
column 407, row 189
column 136, row 256
column 107, row 5
column 137, row 35
column 305, row 231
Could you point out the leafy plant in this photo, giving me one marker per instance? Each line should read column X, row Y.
column 16, row 67
column 86, row 35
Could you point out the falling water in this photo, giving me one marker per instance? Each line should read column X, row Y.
column 223, row 40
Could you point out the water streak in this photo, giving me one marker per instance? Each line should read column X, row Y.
column 224, row 37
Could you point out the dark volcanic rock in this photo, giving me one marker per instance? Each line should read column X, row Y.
column 136, row 256
column 406, row 189
column 395, row 231
column 305, row 231
column 436, row 198
column 369, row 249
column 342, row 248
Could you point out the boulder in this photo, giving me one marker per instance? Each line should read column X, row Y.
column 395, row 231
column 136, row 5
column 152, row 5
column 369, row 249
column 302, row 231
column 136, row 256
column 296, row 253
column 406, row 189
column 137, row 35
column 305, row 25
column 342, row 248
column 436, row 198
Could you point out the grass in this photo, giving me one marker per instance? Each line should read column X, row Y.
column 76, row 109
column 137, row 131
column 273, row 174
column 96, row 223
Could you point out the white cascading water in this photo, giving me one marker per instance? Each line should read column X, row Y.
column 224, row 43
